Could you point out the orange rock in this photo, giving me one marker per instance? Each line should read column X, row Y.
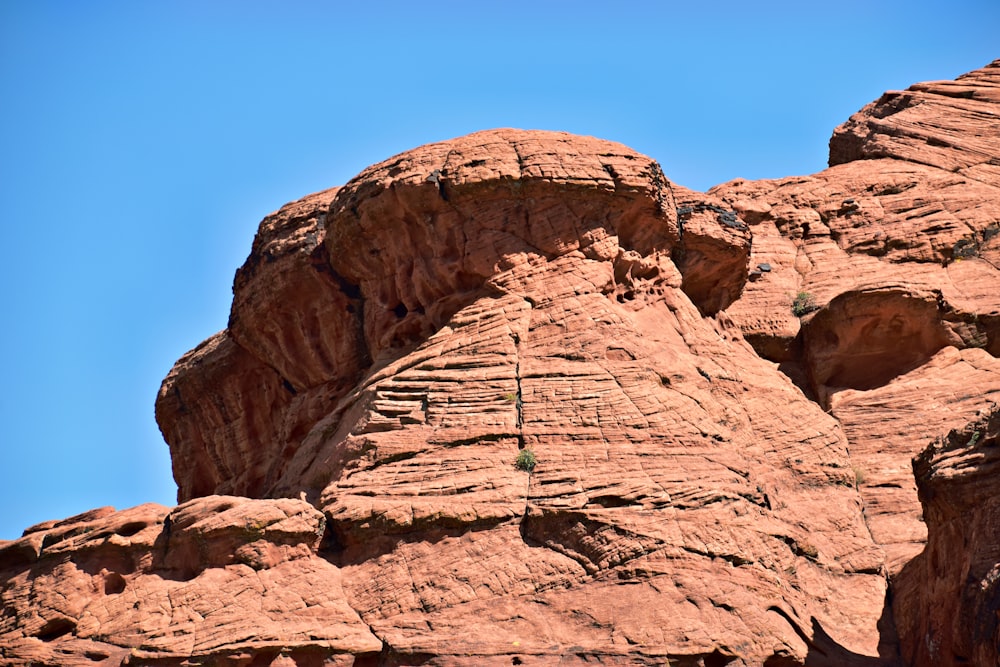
column 951, row 125
column 722, row 393
column 530, row 290
column 947, row 598
column 216, row 578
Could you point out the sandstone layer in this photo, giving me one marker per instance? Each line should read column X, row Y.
column 220, row 580
column 948, row 597
column 722, row 393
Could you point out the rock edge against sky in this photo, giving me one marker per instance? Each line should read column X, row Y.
column 724, row 392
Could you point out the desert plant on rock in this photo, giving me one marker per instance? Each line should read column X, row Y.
column 526, row 460
column 803, row 304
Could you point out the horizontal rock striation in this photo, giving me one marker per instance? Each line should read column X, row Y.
column 949, row 125
column 891, row 262
column 516, row 397
column 218, row 580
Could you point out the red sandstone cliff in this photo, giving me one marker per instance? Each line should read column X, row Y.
column 723, row 393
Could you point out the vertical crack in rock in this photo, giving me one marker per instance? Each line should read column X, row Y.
column 519, row 400
column 660, row 181
column 520, row 159
column 519, row 417
column 357, row 299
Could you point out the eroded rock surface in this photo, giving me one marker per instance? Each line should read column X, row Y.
column 949, row 596
column 221, row 580
column 723, row 392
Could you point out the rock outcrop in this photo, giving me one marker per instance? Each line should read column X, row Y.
column 949, row 595
column 220, row 580
column 721, row 393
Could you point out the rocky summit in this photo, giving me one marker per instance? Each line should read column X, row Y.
column 518, row 399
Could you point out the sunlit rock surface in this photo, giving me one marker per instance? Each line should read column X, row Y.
column 723, row 393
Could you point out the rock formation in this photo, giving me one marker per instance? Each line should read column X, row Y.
column 722, row 392
column 949, row 595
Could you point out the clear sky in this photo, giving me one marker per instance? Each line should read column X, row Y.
column 142, row 142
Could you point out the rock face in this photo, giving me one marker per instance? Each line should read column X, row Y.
column 225, row 580
column 949, row 595
column 722, row 393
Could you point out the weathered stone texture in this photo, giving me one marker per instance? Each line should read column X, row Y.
column 948, row 597
column 723, row 392
column 218, row 580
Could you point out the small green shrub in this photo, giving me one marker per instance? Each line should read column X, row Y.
column 526, row 460
column 510, row 398
column 803, row 304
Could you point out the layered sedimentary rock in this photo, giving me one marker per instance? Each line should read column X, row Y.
column 222, row 580
column 949, row 595
column 722, row 393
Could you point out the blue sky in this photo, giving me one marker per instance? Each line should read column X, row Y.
column 142, row 142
